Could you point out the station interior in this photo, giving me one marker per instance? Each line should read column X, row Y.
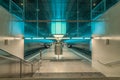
column 60, row 39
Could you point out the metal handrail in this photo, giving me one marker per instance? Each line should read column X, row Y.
column 8, row 58
column 11, row 57
column 16, row 5
column 109, row 63
column 98, row 5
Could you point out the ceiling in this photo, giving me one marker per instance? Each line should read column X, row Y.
column 46, row 11
column 39, row 14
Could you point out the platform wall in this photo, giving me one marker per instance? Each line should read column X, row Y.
column 106, row 49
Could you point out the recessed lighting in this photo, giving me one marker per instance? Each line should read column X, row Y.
column 37, row 38
column 58, row 36
column 77, row 38
column 94, row 4
column 28, row 38
column 21, row 4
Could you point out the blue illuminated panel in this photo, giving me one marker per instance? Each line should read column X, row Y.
column 17, row 28
column 58, row 27
column 58, row 10
column 98, row 28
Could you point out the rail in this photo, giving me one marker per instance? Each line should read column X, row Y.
column 83, row 50
column 102, row 7
column 109, row 63
column 15, row 67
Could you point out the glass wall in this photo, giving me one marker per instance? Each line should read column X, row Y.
column 101, row 7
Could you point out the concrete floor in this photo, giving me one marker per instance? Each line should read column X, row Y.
column 69, row 62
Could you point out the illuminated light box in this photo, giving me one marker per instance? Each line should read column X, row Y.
column 58, row 27
column 58, row 36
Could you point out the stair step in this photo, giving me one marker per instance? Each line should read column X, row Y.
column 70, row 75
column 106, row 78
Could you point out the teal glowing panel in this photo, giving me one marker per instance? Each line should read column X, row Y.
column 58, row 27
column 53, row 27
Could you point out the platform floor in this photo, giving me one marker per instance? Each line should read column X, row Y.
column 67, row 54
column 69, row 62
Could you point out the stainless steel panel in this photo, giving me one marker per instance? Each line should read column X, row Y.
column 58, row 49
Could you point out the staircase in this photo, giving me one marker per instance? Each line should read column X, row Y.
column 66, row 76
column 62, row 79
column 70, row 75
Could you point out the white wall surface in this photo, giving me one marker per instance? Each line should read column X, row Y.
column 15, row 47
column 8, row 30
column 103, row 54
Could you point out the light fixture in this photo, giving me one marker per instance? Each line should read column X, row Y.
column 17, row 38
column 50, row 38
column 10, row 38
column 77, row 38
column 37, row 38
column 94, row 4
column 87, row 38
column 58, row 36
column 6, row 42
column 28, row 38
column 66, row 38
column 21, row 4
column 107, row 41
column 96, row 38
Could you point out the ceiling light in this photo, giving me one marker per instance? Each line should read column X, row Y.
column 37, row 38
column 96, row 38
column 50, row 38
column 87, row 38
column 66, row 38
column 77, row 38
column 17, row 38
column 58, row 36
column 21, row 4
column 94, row 4
column 28, row 38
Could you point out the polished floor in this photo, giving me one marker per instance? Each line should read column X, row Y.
column 67, row 54
column 68, row 62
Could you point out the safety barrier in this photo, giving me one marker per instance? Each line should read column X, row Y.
column 14, row 67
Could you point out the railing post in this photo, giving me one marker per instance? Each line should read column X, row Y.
column 32, row 69
column 20, row 68
column 91, row 11
column 40, row 55
column 104, row 5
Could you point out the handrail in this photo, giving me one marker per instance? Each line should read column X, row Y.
column 27, row 61
column 105, row 7
column 8, row 58
column 109, row 63
column 16, row 5
column 97, row 5
column 11, row 55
